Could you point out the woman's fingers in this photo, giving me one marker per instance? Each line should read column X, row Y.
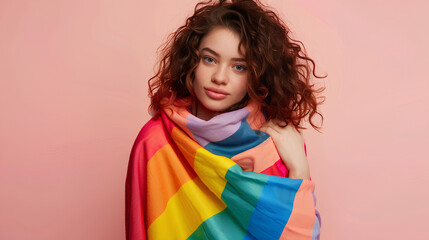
column 290, row 146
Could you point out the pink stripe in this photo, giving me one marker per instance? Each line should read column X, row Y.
column 302, row 218
column 278, row 169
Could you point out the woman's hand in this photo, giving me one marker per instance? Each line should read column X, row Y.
column 290, row 145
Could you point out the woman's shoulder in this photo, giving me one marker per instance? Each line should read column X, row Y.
column 151, row 138
column 153, row 130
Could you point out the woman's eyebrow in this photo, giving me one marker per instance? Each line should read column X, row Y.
column 217, row 54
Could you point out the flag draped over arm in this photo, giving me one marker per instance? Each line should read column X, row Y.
column 218, row 179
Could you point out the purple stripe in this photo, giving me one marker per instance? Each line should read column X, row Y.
column 316, row 227
column 315, row 235
column 216, row 129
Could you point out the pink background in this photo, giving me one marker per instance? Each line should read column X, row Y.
column 73, row 96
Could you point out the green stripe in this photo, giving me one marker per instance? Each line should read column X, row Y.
column 220, row 226
column 241, row 194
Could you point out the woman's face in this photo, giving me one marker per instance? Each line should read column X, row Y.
column 221, row 77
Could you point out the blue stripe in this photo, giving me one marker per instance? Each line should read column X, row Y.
column 259, row 207
column 274, row 208
column 243, row 139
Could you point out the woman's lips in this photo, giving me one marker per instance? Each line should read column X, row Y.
column 215, row 93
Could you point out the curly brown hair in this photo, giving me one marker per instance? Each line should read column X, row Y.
column 280, row 70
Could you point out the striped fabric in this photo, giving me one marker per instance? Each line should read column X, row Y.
column 218, row 179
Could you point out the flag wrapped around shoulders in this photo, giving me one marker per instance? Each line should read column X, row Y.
column 218, row 179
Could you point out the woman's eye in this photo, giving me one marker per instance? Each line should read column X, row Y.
column 240, row 67
column 209, row 59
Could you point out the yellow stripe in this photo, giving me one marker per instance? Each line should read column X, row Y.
column 194, row 202
column 166, row 173
column 186, row 210
column 212, row 169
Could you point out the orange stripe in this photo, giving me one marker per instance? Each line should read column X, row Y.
column 166, row 173
column 259, row 158
column 186, row 210
column 186, row 145
column 176, row 116
column 303, row 216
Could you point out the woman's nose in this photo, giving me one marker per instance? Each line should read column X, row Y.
column 220, row 76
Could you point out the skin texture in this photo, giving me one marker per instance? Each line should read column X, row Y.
column 222, row 69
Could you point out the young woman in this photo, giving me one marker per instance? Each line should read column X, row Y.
column 223, row 158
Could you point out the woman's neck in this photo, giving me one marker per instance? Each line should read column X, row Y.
column 199, row 111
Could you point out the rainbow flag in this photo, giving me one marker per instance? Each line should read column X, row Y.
column 218, row 179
